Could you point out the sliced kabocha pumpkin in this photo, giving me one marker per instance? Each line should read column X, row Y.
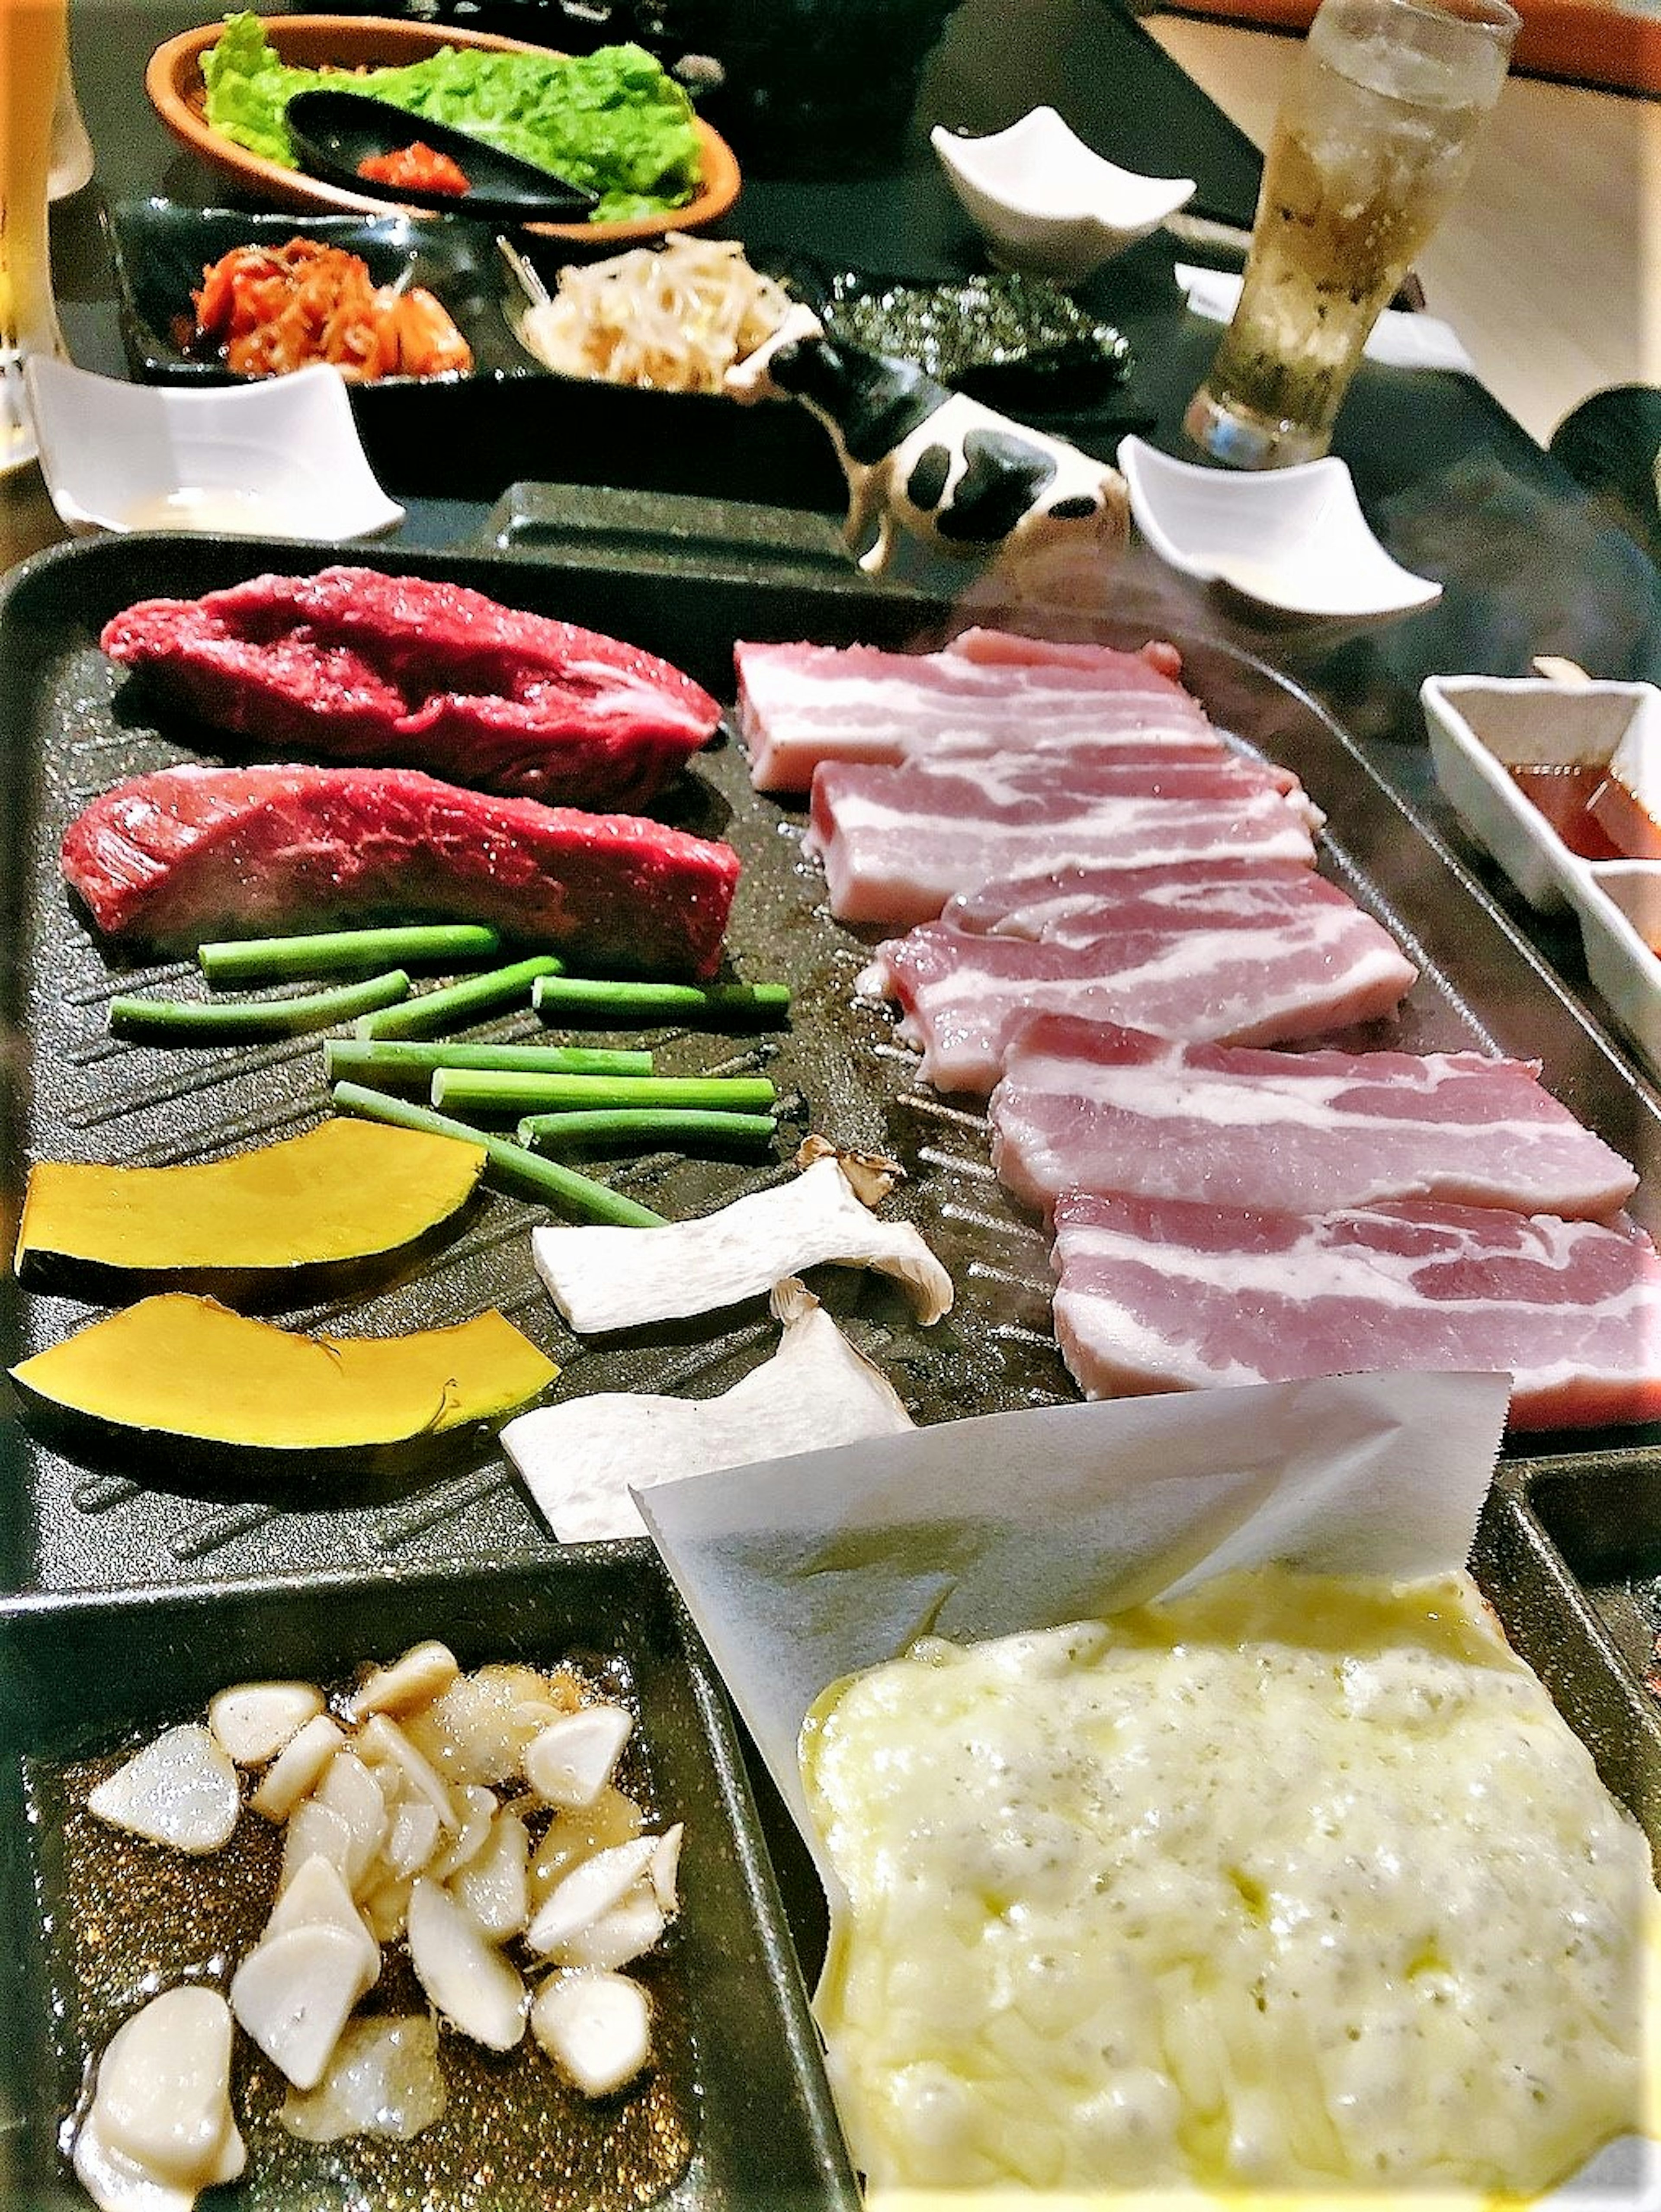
column 184, row 1380
column 323, row 1213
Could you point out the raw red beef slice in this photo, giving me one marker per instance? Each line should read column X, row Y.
column 191, row 853
column 357, row 665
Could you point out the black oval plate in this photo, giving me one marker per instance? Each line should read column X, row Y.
column 334, row 132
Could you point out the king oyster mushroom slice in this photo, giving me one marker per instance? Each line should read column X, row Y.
column 609, row 1278
column 297, row 1769
column 479, row 1729
column 383, row 2078
column 318, row 1897
column 570, row 1838
column 255, row 1720
column 180, row 1789
column 159, row 2126
column 571, row 1762
column 579, row 1460
column 424, row 1672
column 595, row 2025
column 466, row 1978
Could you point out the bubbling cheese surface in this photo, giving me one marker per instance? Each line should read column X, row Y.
column 1291, row 1882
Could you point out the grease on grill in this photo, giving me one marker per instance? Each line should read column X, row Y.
column 135, row 1918
column 998, row 336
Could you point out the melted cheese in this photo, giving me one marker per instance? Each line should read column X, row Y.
column 1292, row 1883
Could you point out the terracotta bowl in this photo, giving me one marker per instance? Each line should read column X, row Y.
column 174, row 81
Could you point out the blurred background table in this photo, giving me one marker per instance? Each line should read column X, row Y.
column 1543, row 267
column 1549, row 264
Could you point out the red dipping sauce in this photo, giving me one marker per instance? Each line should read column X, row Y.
column 416, row 168
column 1562, row 791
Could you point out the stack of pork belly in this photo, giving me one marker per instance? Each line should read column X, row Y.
column 1111, row 916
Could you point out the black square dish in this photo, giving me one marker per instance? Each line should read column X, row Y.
column 1569, row 1554
column 470, row 437
column 737, row 2113
column 160, row 247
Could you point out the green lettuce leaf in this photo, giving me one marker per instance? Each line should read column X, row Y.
column 612, row 121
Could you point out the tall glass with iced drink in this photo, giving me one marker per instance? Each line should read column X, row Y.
column 32, row 47
column 1375, row 136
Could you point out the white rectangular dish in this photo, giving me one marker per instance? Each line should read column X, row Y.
column 1483, row 727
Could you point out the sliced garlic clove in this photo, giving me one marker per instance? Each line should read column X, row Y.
column 383, row 2080
column 589, row 1892
column 573, row 1837
column 412, row 1836
column 477, row 1807
column 463, row 1973
column 596, row 2028
column 293, row 1994
column 423, row 1673
column 664, row 1869
column 161, row 2103
column 298, row 1768
column 382, row 1742
column 628, row 1931
column 349, row 1789
column 115, row 2184
column 385, row 1908
column 180, row 1790
column 255, row 1720
column 479, row 1729
column 318, row 1897
column 495, row 1887
column 571, row 1762
column 313, row 1833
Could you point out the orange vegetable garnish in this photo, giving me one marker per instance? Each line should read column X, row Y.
column 274, row 309
column 416, row 168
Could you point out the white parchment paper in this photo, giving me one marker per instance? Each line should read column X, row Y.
column 800, row 1571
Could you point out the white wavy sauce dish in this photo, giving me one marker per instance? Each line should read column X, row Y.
column 281, row 459
column 1294, row 539
column 1046, row 203
column 1482, row 727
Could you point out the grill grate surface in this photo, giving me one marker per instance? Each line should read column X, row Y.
column 72, row 727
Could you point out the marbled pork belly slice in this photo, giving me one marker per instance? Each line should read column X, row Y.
column 354, row 664
column 898, row 843
column 189, row 853
column 1075, row 906
column 1239, row 980
column 801, row 704
column 1093, row 1106
column 1172, row 1294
